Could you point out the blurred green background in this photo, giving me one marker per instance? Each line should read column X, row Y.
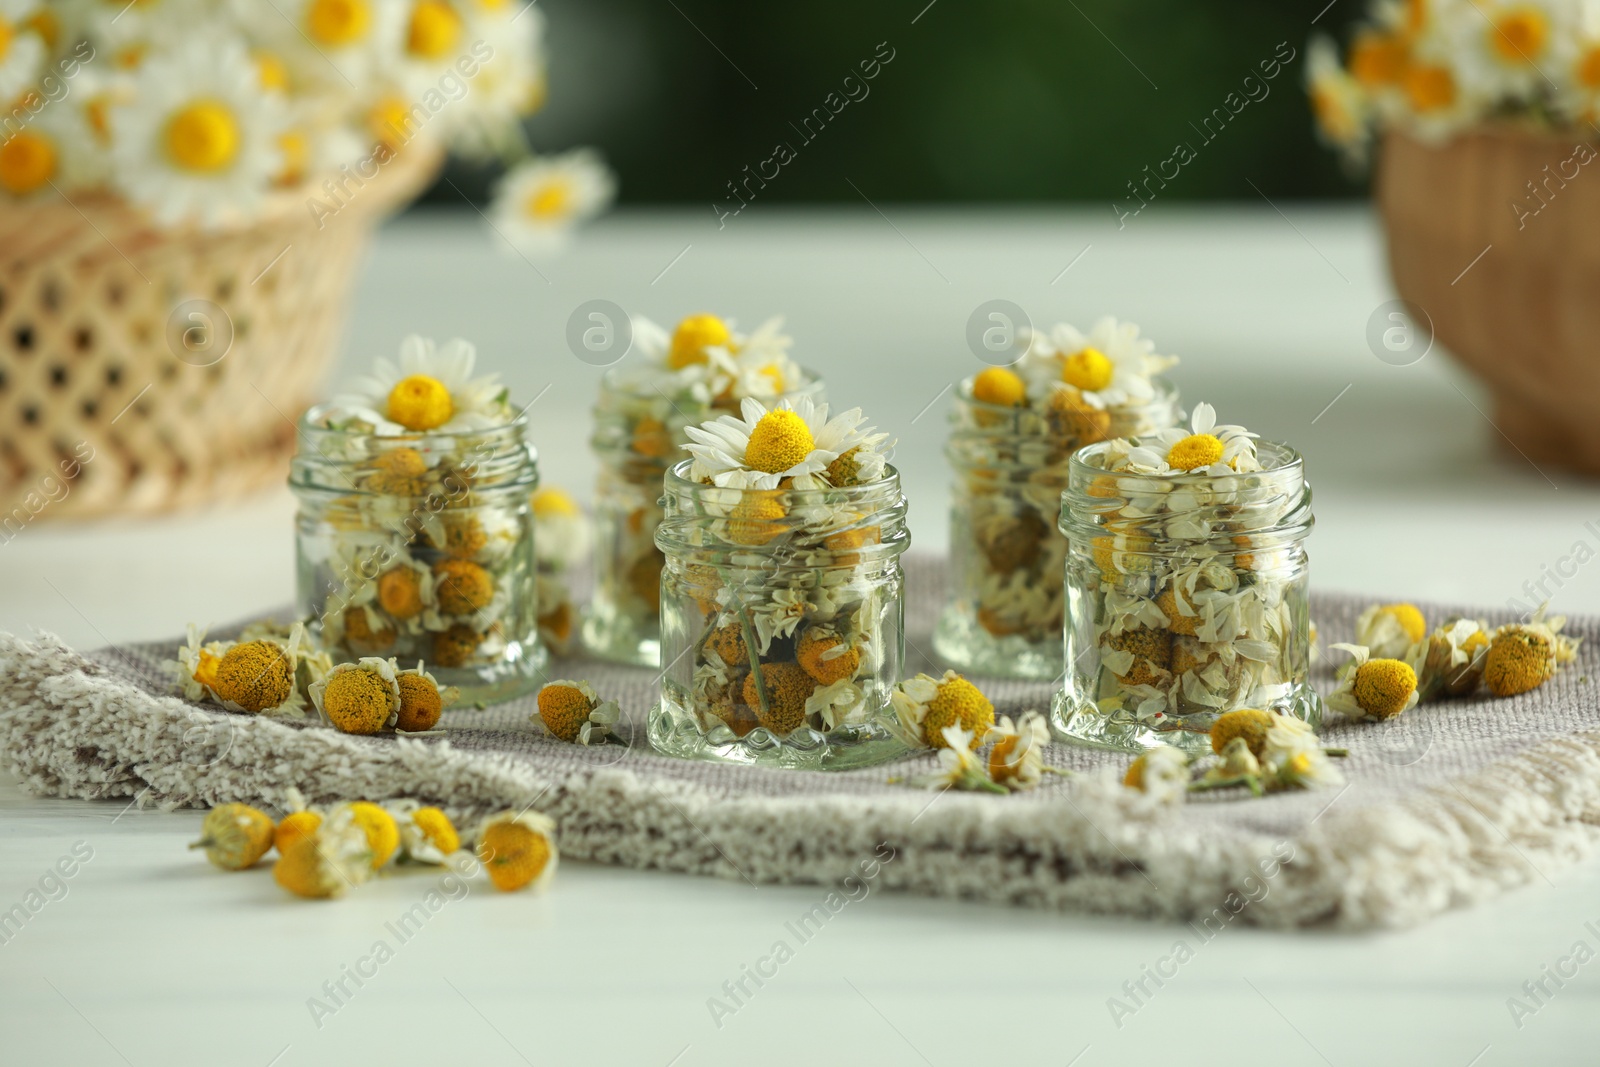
column 999, row 100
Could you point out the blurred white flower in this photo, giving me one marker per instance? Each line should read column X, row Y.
column 538, row 203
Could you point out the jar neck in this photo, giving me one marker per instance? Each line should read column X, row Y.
column 1272, row 505
column 848, row 526
column 992, row 435
column 499, row 459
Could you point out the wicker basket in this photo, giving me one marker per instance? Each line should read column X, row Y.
column 101, row 359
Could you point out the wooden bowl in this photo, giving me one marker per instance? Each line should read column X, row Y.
column 1496, row 236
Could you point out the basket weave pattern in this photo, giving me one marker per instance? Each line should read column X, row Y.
column 98, row 412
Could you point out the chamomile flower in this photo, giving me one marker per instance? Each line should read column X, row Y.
column 790, row 440
column 1451, row 661
column 518, row 849
column 331, row 859
column 509, row 84
column 258, row 676
column 1017, row 758
column 1110, row 365
column 572, row 711
column 359, row 698
column 538, row 204
column 1161, row 772
column 924, row 706
column 1341, row 106
column 1203, row 447
column 328, row 43
column 1512, row 49
column 1389, row 630
column 561, row 530
column 422, row 700
column 197, row 140
column 1523, row 656
column 1294, row 757
column 22, row 49
column 430, row 389
column 56, row 150
column 1373, row 688
column 426, row 833
column 959, row 765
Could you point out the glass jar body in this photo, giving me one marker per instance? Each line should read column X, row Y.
column 421, row 547
column 1005, row 606
column 1187, row 597
column 639, row 433
column 782, row 616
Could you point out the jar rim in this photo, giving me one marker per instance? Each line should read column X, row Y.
column 1287, row 460
column 615, row 378
column 309, row 424
column 676, row 479
column 1166, row 393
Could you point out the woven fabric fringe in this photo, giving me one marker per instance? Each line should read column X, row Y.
column 76, row 726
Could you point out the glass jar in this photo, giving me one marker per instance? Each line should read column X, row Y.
column 1186, row 598
column 638, row 435
column 1005, row 606
column 781, row 623
column 420, row 547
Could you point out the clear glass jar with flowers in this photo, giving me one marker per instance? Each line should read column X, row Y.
column 1014, row 430
column 1186, row 581
column 704, row 368
column 414, row 538
column 782, row 595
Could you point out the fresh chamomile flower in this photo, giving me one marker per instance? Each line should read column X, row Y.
column 22, row 49
column 1017, row 759
column 1205, row 446
column 235, row 836
column 1338, row 101
column 1109, row 366
column 334, row 857
column 518, row 849
column 924, row 706
column 572, row 711
column 56, row 150
column 256, row 676
column 509, row 85
column 1523, row 656
column 359, row 698
column 1373, row 688
column 1161, row 772
column 1294, row 757
column 431, row 389
column 561, row 530
column 791, row 440
column 1451, row 661
column 426, row 833
column 422, row 701
column 327, row 44
column 197, row 140
column 1389, row 630
column 1512, row 49
column 538, row 203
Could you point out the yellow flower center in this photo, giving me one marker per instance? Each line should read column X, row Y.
column 826, row 670
column 1517, row 661
column 693, row 336
column 357, row 701
column 551, row 501
column 296, row 152
column 756, row 518
column 1383, row 686
column 1416, row 16
column 1430, row 88
column 383, row 836
column 420, row 705
column 271, row 72
column 788, row 687
column 1378, row 59
column 255, row 675
column 203, row 137
column 435, row 28
column 998, row 385
column 1409, row 618
column 1300, row 764
column 421, row 403
column 551, row 201
column 338, row 22
column 1251, row 724
column 1002, row 765
column 1336, row 120
column 98, row 111
column 390, row 121
column 400, row 592
column 564, row 709
column 1195, row 451
column 463, row 586
column 1088, row 370
column 27, row 162
column 437, row 828
column 6, row 34
column 513, row 854
column 296, row 826
column 958, row 701
column 780, row 440
column 1519, row 36
column 1589, row 69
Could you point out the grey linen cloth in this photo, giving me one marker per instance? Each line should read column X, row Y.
column 1451, row 804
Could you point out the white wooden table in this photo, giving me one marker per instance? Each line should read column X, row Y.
column 147, row 955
